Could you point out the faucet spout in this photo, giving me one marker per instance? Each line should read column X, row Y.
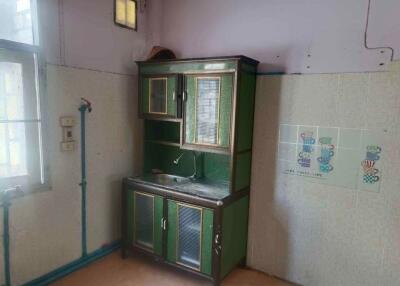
column 176, row 161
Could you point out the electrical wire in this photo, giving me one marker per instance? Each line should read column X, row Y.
column 365, row 35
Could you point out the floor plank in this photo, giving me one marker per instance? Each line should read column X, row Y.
column 112, row 270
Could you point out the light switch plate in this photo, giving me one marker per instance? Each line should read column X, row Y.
column 68, row 146
column 67, row 121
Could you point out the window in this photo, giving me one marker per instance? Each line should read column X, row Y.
column 21, row 148
column 125, row 13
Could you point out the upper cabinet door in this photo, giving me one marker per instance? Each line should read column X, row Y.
column 207, row 111
column 159, row 96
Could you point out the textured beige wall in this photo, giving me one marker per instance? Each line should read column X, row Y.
column 316, row 234
column 46, row 227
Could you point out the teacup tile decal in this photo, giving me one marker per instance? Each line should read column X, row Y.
column 307, row 148
column 344, row 157
column 327, row 152
column 370, row 172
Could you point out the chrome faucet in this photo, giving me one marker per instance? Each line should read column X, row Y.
column 195, row 174
column 176, row 161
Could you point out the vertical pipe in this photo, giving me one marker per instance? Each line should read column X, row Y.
column 6, row 242
column 83, row 183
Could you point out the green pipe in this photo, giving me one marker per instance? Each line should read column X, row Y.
column 85, row 106
column 6, row 240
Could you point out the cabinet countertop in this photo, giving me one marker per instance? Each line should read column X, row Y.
column 199, row 187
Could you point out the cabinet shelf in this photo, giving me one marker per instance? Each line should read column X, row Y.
column 164, row 142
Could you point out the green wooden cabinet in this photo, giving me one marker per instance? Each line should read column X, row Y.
column 187, row 230
column 159, row 96
column 204, row 105
column 207, row 109
column 147, row 212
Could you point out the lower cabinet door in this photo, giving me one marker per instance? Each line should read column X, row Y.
column 147, row 222
column 190, row 232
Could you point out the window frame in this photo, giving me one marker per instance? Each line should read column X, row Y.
column 41, row 95
column 136, row 16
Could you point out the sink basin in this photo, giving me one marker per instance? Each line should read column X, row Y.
column 165, row 179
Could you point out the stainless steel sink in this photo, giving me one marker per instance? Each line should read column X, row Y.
column 165, row 179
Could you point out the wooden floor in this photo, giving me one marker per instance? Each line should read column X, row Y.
column 114, row 271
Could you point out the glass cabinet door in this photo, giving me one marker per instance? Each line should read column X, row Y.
column 189, row 234
column 147, row 221
column 208, row 105
column 189, row 238
column 159, row 96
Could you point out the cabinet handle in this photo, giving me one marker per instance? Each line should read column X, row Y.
column 174, row 95
column 184, row 96
column 164, row 224
column 216, row 239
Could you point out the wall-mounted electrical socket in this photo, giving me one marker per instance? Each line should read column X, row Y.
column 67, row 134
column 68, row 146
column 67, row 121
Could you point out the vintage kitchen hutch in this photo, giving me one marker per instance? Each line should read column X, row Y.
column 190, row 207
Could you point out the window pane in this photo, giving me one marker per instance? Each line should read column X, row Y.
column 120, row 12
column 18, row 98
column 207, row 110
column 13, row 161
column 16, row 21
column 131, row 14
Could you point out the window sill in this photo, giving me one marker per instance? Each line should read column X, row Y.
column 18, row 193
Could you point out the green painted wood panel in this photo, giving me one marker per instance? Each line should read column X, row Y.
column 190, row 110
column 207, row 241
column 163, row 68
column 158, row 232
column 171, row 88
column 245, row 111
column 243, row 171
column 224, row 109
column 131, row 202
column 171, row 234
column 145, row 94
column 234, row 234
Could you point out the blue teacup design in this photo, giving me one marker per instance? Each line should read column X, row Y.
column 326, row 153
column 323, row 160
column 372, row 156
column 308, row 148
column 325, row 168
column 370, row 179
column 304, row 162
column 308, row 141
column 305, row 155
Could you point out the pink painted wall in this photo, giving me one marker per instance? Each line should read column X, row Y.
column 295, row 36
column 83, row 34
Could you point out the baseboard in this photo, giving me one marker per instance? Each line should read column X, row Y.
column 74, row 265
